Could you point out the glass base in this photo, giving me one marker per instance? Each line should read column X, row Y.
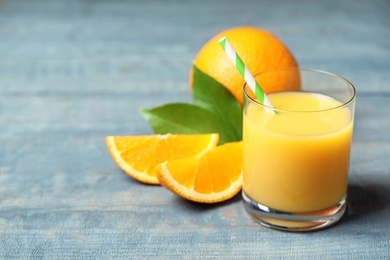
column 296, row 222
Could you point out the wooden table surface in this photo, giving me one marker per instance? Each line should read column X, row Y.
column 73, row 72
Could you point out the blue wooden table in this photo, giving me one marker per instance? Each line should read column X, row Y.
column 73, row 72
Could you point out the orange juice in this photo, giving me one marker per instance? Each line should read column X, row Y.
column 297, row 161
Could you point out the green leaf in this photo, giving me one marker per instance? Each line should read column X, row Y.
column 182, row 118
column 212, row 95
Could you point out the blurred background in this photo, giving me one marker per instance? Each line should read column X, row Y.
column 90, row 49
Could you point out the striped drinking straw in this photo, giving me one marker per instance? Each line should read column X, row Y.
column 250, row 80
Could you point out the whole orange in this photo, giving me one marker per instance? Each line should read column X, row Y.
column 260, row 51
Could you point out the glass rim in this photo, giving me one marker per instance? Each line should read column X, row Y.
column 344, row 104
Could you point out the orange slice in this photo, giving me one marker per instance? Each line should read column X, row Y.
column 212, row 176
column 138, row 155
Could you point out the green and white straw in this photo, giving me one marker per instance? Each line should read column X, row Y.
column 249, row 79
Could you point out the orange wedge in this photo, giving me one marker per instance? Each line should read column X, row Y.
column 139, row 155
column 212, row 176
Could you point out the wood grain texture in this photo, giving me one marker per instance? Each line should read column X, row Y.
column 72, row 72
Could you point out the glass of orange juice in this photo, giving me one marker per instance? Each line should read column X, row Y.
column 296, row 157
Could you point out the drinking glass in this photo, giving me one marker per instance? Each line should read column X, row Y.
column 297, row 156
